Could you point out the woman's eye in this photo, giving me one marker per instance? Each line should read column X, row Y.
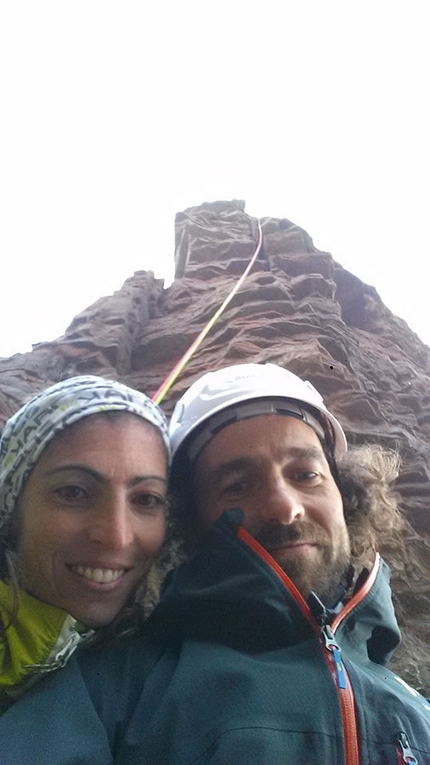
column 70, row 492
column 152, row 502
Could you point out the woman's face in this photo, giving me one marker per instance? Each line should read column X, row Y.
column 92, row 516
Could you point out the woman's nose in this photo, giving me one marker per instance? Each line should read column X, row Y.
column 110, row 524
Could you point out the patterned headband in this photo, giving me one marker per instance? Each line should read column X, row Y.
column 28, row 432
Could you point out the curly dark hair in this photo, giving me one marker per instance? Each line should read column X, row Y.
column 366, row 475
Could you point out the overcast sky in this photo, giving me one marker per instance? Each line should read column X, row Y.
column 116, row 115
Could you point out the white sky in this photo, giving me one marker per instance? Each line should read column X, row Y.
column 116, row 115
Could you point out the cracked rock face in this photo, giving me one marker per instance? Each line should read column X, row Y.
column 297, row 308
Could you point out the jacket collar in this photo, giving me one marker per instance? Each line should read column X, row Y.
column 40, row 639
column 234, row 593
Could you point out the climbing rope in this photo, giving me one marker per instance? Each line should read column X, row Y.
column 170, row 379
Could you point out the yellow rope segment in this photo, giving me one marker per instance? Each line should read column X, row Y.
column 168, row 382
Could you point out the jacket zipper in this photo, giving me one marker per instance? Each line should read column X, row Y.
column 347, row 702
column 405, row 755
column 333, row 658
column 404, row 751
column 330, row 650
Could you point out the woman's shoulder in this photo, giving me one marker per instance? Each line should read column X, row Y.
column 36, row 638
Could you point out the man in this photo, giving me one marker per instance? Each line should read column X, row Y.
column 256, row 659
column 267, row 647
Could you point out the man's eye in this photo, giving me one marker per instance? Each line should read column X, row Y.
column 238, row 487
column 307, row 475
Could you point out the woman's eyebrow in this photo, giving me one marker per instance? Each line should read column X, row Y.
column 141, row 478
column 99, row 477
column 76, row 466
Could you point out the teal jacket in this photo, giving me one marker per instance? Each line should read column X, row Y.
column 234, row 668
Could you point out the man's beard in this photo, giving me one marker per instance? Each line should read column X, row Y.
column 320, row 573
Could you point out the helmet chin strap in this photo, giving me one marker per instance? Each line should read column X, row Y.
column 246, row 409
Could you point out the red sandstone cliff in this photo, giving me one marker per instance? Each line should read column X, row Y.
column 298, row 308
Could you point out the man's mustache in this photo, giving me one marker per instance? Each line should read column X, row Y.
column 280, row 534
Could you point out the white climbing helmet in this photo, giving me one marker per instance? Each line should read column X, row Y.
column 218, row 391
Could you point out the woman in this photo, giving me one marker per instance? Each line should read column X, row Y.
column 83, row 472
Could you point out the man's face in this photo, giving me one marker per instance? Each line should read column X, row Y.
column 274, row 469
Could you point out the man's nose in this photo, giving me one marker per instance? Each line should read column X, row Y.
column 110, row 524
column 284, row 503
